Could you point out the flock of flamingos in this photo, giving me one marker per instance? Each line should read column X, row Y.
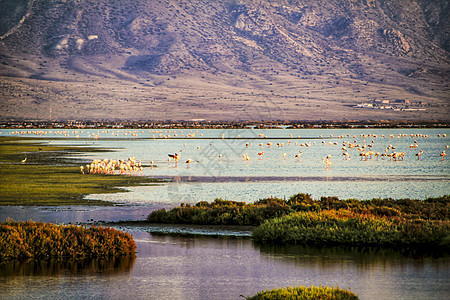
column 132, row 166
column 364, row 151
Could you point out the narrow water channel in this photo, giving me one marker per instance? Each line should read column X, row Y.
column 177, row 267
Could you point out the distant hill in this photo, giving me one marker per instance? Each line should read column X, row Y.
column 224, row 60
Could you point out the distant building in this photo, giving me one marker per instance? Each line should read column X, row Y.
column 402, row 101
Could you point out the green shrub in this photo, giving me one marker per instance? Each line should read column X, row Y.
column 223, row 212
column 329, row 220
column 300, row 199
column 22, row 240
column 305, row 293
column 348, row 227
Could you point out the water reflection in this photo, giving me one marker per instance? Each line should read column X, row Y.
column 360, row 256
column 370, row 272
column 226, row 268
column 184, row 267
column 111, row 266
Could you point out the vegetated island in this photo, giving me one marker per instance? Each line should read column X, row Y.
column 328, row 221
column 305, row 293
column 35, row 173
column 31, row 240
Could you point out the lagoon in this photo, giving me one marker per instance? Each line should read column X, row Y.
column 218, row 169
column 183, row 267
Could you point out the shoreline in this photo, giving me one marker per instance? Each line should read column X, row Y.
column 206, row 124
column 49, row 178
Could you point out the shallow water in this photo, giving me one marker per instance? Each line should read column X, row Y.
column 233, row 178
column 169, row 267
column 230, row 177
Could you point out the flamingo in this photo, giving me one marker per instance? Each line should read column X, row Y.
column 260, row 154
column 24, row 160
column 327, row 161
column 175, row 157
column 419, row 154
column 188, row 163
column 443, row 155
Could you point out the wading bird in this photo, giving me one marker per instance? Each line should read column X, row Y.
column 260, row 154
column 175, row 157
column 419, row 154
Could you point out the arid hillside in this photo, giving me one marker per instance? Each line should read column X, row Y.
column 225, row 60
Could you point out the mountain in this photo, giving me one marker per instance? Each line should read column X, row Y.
column 224, row 60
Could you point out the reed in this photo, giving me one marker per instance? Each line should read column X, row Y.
column 347, row 227
column 303, row 220
column 239, row 213
column 25, row 240
column 222, row 212
column 305, row 293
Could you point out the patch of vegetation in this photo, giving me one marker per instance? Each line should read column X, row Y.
column 25, row 240
column 303, row 220
column 222, row 212
column 340, row 227
column 225, row 212
column 47, row 177
column 305, row 293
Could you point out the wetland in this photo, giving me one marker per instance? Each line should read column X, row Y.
column 194, row 262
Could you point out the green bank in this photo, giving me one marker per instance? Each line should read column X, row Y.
column 49, row 176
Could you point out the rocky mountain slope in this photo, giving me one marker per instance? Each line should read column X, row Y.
column 222, row 60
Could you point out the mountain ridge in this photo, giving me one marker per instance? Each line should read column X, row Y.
column 328, row 55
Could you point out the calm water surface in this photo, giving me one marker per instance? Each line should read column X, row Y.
column 218, row 168
column 170, row 267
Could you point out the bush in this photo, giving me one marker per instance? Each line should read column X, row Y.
column 348, row 227
column 305, row 293
column 23, row 240
column 223, row 212
column 300, row 199
column 329, row 220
